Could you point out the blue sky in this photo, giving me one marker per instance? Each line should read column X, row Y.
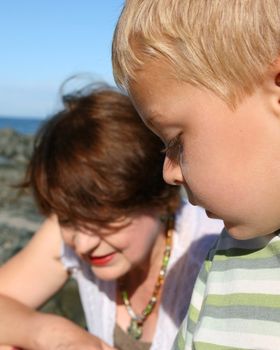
column 43, row 42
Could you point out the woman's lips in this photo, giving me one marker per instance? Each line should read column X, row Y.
column 102, row 260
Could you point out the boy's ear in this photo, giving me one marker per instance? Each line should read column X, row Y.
column 277, row 79
column 272, row 86
column 276, row 72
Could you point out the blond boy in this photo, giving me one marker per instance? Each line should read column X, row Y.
column 205, row 76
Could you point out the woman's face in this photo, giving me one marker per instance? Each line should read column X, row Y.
column 123, row 246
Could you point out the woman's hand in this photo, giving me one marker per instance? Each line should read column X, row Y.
column 32, row 330
column 104, row 346
column 70, row 344
column 57, row 333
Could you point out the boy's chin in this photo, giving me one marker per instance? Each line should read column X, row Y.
column 244, row 232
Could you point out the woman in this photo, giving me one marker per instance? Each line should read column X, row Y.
column 133, row 245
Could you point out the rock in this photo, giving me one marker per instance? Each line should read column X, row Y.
column 15, row 146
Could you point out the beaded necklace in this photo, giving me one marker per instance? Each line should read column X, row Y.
column 135, row 328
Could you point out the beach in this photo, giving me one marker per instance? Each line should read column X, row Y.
column 19, row 217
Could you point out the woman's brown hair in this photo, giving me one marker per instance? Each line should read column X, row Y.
column 95, row 161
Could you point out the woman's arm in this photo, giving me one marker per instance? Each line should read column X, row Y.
column 36, row 272
column 26, row 281
column 30, row 277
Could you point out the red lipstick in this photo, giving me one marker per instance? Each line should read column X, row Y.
column 102, row 260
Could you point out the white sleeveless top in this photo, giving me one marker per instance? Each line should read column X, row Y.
column 194, row 235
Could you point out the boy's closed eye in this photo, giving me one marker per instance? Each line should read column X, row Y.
column 173, row 149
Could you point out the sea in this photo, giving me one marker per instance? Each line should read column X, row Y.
column 27, row 126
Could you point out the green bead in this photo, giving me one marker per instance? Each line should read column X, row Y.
column 148, row 309
column 125, row 295
column 165, row 261
column 135, row 329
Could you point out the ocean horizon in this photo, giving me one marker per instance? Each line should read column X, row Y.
column 22, row 125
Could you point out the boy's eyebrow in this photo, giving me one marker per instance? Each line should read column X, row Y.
column 154, row 118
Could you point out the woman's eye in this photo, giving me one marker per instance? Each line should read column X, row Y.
column 67, row 224
column 173, row 148
column 64, row 222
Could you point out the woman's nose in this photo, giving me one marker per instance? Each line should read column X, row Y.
column 172, row 173
column 84, row 242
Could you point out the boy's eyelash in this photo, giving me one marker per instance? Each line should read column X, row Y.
column 172, row 144
column 173, row 149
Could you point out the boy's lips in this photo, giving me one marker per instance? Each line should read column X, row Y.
column 102, row 260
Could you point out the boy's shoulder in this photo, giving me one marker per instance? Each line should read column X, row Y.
column 238, row 284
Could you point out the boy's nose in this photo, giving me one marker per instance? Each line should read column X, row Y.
column 84, row 242
column 172, row 173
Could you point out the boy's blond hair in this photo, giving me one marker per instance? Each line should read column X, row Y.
column 223, row 45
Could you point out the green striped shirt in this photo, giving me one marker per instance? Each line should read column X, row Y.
column 236, row 298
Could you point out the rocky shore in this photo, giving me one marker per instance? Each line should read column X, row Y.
column 19, row 217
